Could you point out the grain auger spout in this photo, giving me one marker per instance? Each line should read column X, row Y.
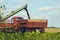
column 16, row 11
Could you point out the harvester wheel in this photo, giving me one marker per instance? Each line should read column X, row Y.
column 23, row 30
column 29, row 30
column 1, row 29
column 9, row 30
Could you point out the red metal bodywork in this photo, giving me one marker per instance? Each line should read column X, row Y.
column 25, row 23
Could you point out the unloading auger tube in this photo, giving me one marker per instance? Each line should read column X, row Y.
column 16, row 11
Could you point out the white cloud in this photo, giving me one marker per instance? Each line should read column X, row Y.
column 1, row 1
column 41, row 17
column 49, row 8
column 44, row 16
column 36, row 17
column 45, row 8
column 57, row 8
column 49, row 11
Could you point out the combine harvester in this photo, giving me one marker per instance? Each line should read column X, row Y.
column 21, row 24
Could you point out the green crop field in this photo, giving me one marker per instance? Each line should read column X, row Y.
column 30, row 36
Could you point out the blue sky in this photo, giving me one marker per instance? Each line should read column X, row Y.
column 38, row 9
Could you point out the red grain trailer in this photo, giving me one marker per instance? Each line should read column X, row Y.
column 32, row 24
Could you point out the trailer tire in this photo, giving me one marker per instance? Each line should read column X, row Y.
column 42, row 30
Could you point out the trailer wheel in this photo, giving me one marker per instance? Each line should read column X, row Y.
column 29, row 30
column 33, row 29
column 42, row 30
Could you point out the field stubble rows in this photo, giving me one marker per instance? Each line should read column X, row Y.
column 52, row 30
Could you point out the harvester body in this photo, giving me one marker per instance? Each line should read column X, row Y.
column 21, row 24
